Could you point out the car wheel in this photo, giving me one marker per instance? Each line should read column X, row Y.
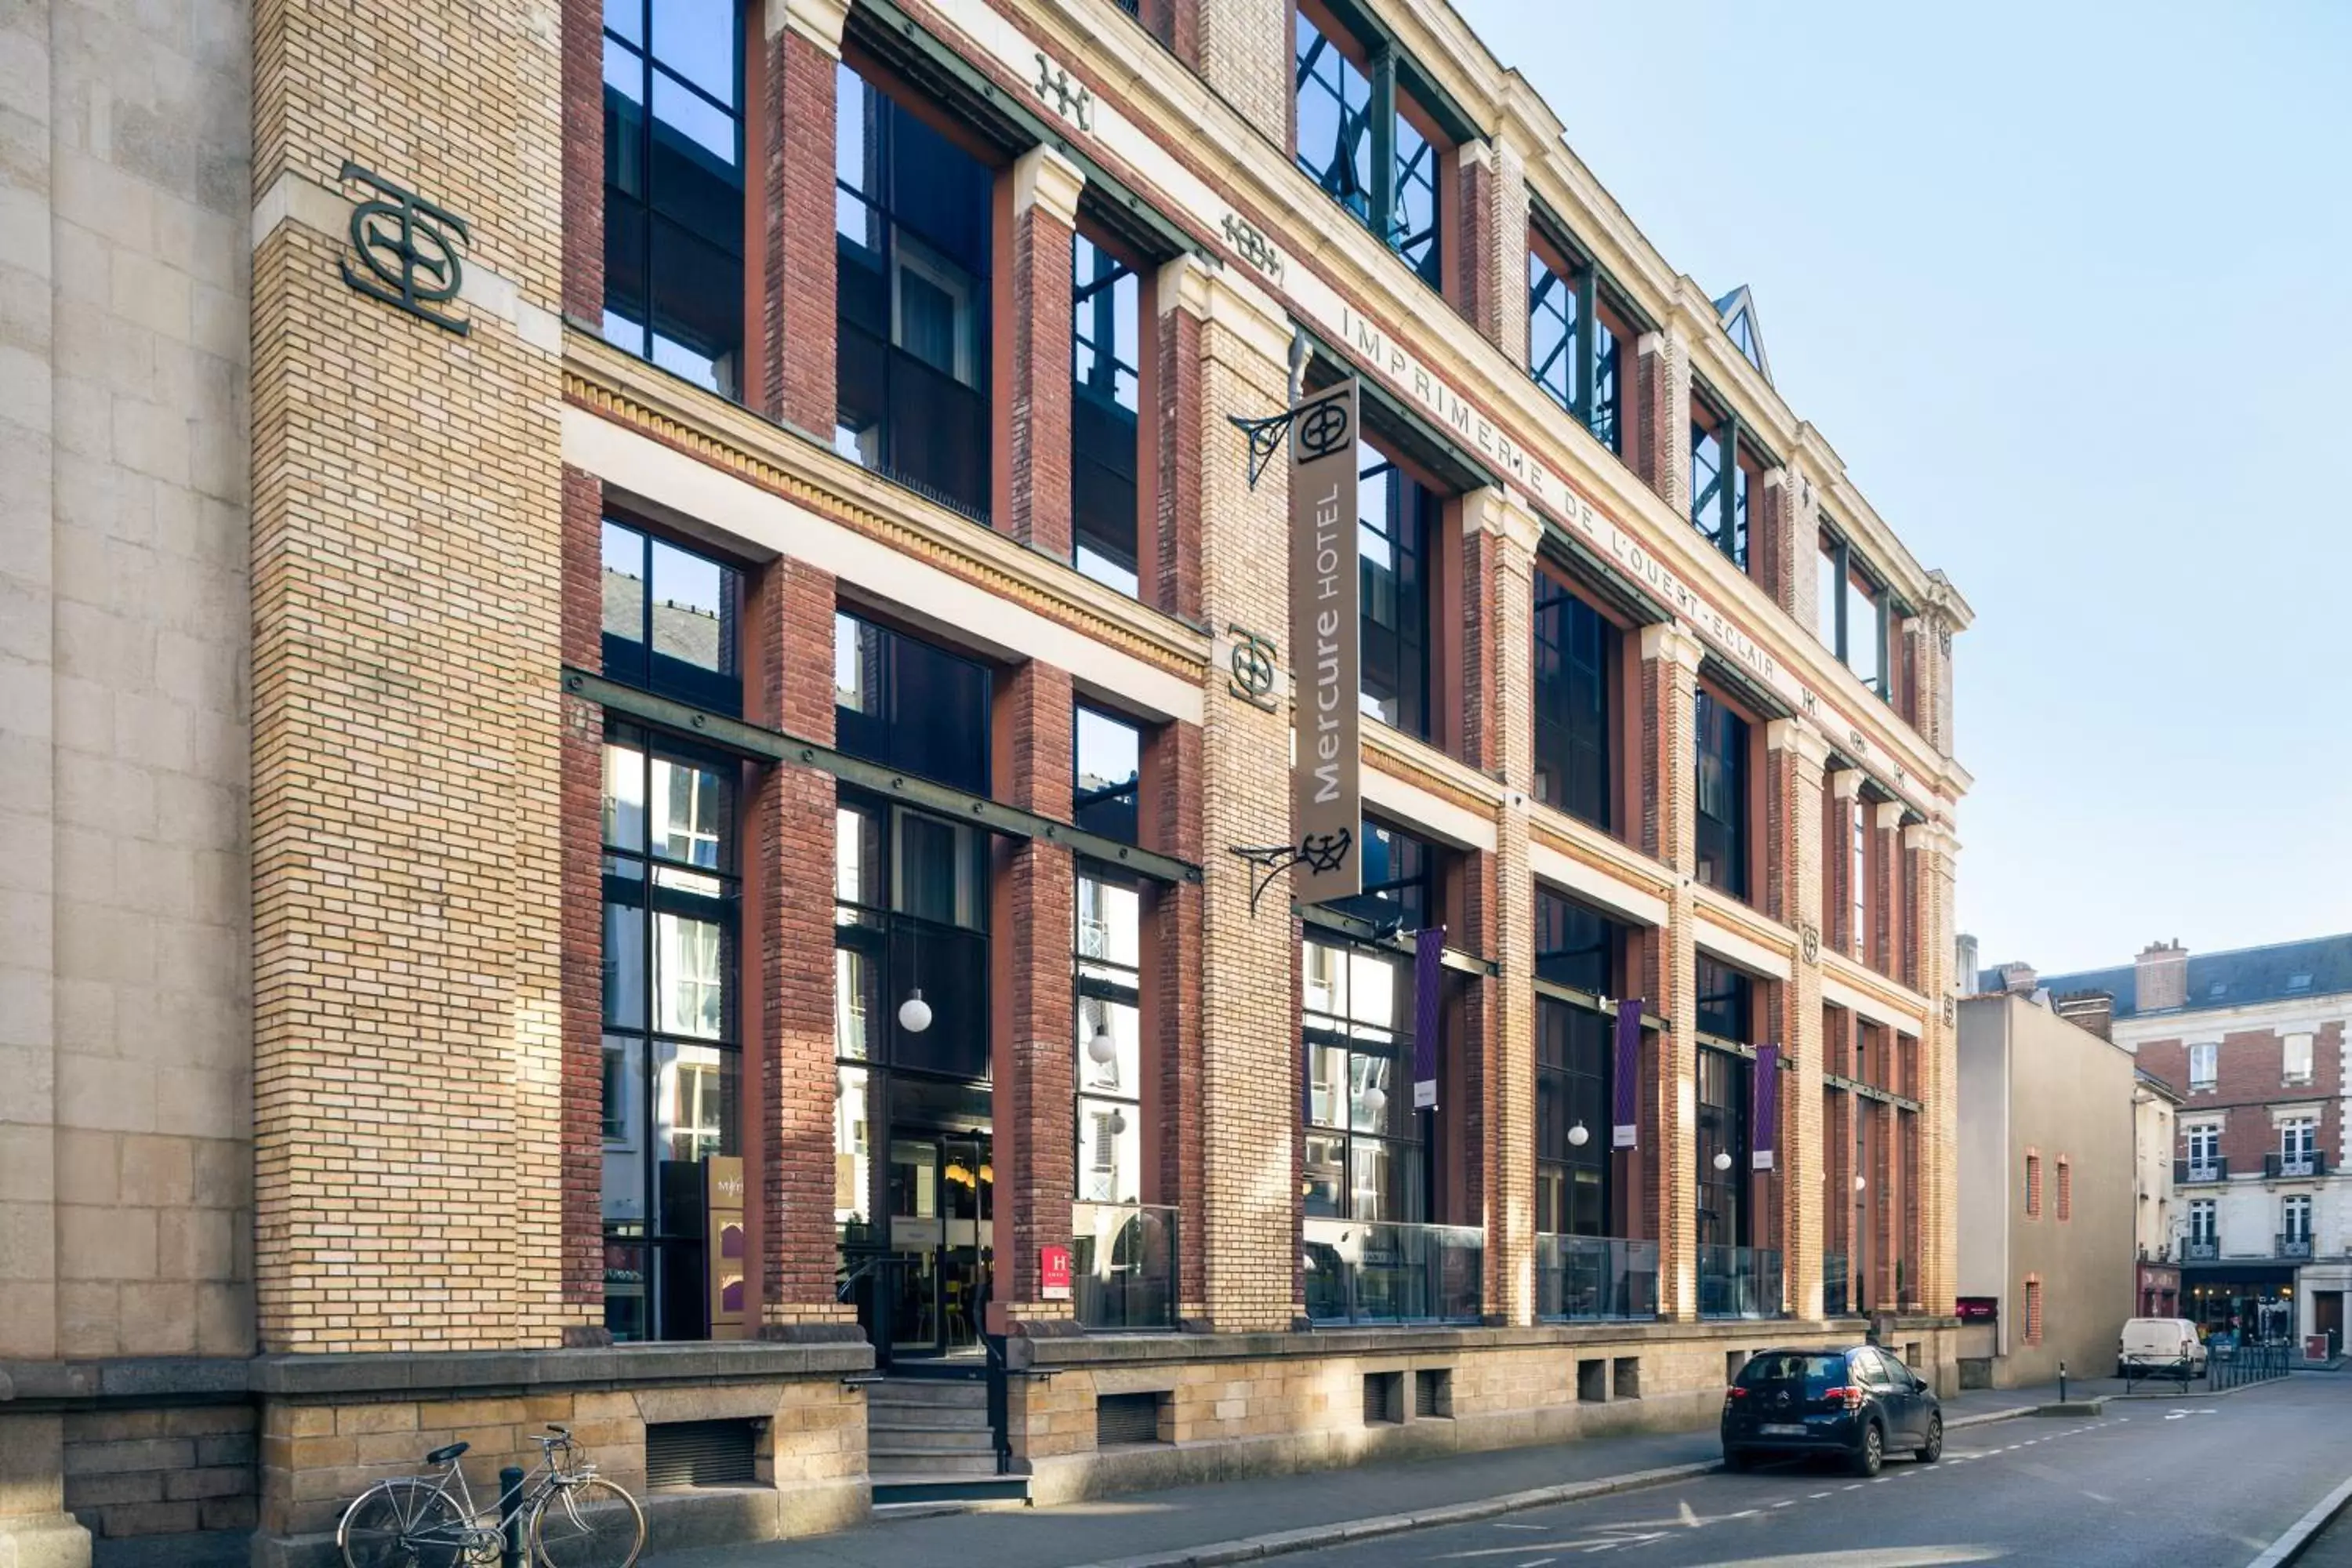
column 1933, row 1449
column 1737, row 1460
column 1872, row 1452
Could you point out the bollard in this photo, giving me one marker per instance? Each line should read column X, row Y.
column 510, row 1517
column 2061, row 1382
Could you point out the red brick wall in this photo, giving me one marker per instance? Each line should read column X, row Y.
column 1171, row 786
column 1037, row 403
column 796, row 330
column 582, row 932
column 1483, row 655
column 1175, row 584
column 791, row 836
column 2247, row 1084
column 1476, row 293
column 584, row 159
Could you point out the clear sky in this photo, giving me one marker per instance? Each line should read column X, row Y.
column 2069, row 288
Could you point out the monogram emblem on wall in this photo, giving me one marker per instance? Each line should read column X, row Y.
column 1251, row 662
column 1951, row 1010
column 1812, row 940
column 1253, row 246
column 409, row 248
column 1074, row 101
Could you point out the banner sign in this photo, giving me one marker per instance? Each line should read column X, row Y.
column 1626, row 1130
column 1428, row 985
column 1054, row 1273
column 725, row 1248
column 1764, row 1124
column 1327, row 806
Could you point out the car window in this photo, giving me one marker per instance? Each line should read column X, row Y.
column 1871, row 1370
column 1818, row 1373
column 1895, row 1369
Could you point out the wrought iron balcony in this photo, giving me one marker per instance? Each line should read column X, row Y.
column 1584, row 1277
column 2276, row 1166
column 2200, row 1249
column 2294, row 1248
column 2191, row 1172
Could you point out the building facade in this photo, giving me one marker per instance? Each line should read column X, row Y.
column 2253, row 1042
column 2048, row 1193
column 645, row 646
column 2155, row 1113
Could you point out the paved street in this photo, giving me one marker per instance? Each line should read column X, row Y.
column 2197, row 1484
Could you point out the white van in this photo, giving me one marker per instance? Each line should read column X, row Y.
column 2159, row 1346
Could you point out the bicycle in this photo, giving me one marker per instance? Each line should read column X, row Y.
column 572, row 1517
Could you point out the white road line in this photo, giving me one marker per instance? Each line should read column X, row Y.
column 1538, row 1562
column 1816, row 1496
column 1786, row 1502
column 1855, row 1488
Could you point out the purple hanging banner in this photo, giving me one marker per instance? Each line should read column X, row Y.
column 1764, row 1125
column 1626, row 1131
column 1428, row 983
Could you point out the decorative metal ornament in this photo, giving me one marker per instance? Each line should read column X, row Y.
column 409, row 248
column 1951, row 1010
column 1073, row 102
column 1317, row 852
column 1810, row 940
column 1253, row 663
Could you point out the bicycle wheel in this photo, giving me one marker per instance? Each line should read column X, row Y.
column 593, row 1523
column 401, row 1524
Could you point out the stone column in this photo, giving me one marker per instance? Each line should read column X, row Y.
column 1509, row 240
column 1885, row 840
column 1938, row 1080
column 1662, row 390
column 1670, row 661
column 793, row 839
column 1798, row 753
column 792, row 136
column 1250, row 1059
column 1174, row 583
column 1500, row 535
column 1798, row 504
column 1490, row 254
column 1244, row 53
column 419, row 1193
column 1033, row 403
column 1786, row 547
column 1034, row 1042
column 1846, row 795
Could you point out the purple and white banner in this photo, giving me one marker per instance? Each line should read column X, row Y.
column 1626, row 1130
column 1428, row 981
column 1764, row 1124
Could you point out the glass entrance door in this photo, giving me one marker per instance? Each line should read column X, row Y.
column 940, row 1203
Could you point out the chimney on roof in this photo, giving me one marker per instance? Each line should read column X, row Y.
column 1965, row 957
column 2161, row 973
column 2092, row 1010
column 2018, row 979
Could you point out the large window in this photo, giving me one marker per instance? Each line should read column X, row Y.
column 907, row 704
column 1573, row 643
column 911, row 220
column 1363, row 1136
column 2204, row 1064
column 2204, row 1148
column 1722, row 1130
column 1108, row 775
column 1853, row 614
column 1397, row 872
column 1578, row 947
column 672, row 1055
column 673, row 187
column 1722, row 476
column 1858, row 916
column 1396, row 524
column 1105, row 386
column 1722, row 796
column 1110, row 1046
column 1575, row 945
column 1343, row 131
column 2203, row 1224
column 2294, row 1218
column 1573, row 341
column 671, row 620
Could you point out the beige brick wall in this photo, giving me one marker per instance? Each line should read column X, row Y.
column 123, row 648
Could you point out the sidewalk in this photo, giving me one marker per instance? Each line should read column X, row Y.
column 1140, row 1524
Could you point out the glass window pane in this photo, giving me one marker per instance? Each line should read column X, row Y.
column 1326, row 1173
column 692, row 608
column 1827, row 594
column 624, row 582
column 856, row 1002
column 1327, row 1082
column 690, row 961
column 1111, row 1152
column 624, row 964
column 692, row 806
column 624, row 797
column 1373, row 982
column 1109, row 1047
column 1862, row 629
column 696, row 38
column 1370, row 1098
column 1323, row 978
column 1110, row 926
column 942, row 871
column 695, row 119
column 853, row 1149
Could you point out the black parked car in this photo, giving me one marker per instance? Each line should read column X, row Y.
column 1858, row 1404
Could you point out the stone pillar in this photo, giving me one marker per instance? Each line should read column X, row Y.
column 1670, row 661
column 1244, row 53
column 1490, row 286
column 1033, row 404
column 419, row 1193
column 36, row 1531
column 1794, row 496
column 1785, row 547
column 1662, row 389
column 1174, row 583
column 1938, row 1072
column 792, row 136
column 1845, row 797
column 1885, row 840
column 1510, row 249
column 1506, row 748
column 583, row 909
column 1250, row 1059
column 1936, row 685
column 1035, row 1041
column 1797, row 754
column 793, row 836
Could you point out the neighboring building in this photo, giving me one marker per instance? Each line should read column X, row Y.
column 2255, row 1041
column 691, row 792
column 2156, row 1110
column 2047, row 1191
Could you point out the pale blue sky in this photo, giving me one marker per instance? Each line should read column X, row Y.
column 2069, row 288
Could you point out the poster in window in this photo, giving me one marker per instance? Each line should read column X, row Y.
column 725, row 1253
column 1326, row 640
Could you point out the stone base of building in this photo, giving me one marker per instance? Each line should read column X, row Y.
column 1227, row 1406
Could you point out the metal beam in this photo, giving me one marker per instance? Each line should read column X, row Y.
column 1867, row 1091
column 762, row 744
column 1590, row 1003
column 1365, row 931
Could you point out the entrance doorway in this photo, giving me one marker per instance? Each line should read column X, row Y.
column 941, row 1201
column 2327, row 1317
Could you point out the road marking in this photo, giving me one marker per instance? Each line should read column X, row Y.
column 1501, row 1526
column 1786, row 1502
column 1855, row 1488
column 1817, row 1497
column 1538, row 1562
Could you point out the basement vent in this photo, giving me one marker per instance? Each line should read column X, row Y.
column 701, row 1454
column 1383, row 1398
column 1126, row 1418
column 1430, row 1394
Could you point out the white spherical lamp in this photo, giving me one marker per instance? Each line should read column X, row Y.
column 1580, row 1135
column 1860, row 1183
column 914, row 1013
column 1375, row 1100
column 1722, row 1160
column 1101, row 1048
